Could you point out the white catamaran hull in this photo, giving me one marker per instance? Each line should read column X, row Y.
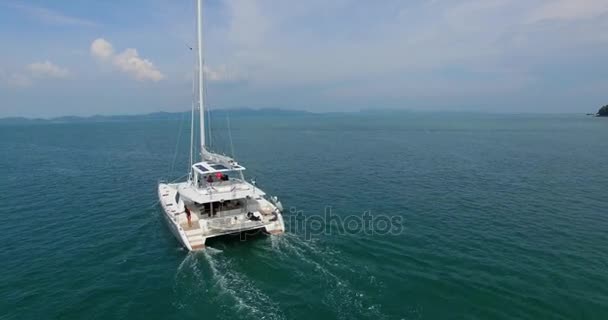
column 202, row 227
column 165, row 195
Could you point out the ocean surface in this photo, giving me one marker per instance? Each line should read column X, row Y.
column 499, row 217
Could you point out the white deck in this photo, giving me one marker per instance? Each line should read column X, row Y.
column 225, row 220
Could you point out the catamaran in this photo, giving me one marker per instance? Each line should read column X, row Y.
column 215, row 199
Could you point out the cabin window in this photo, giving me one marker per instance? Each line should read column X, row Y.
column 177, row 197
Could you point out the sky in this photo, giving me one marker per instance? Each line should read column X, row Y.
column 85, row 57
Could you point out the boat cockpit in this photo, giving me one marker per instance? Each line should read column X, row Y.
column 210, row 174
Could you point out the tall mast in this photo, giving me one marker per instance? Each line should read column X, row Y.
column 201, row 64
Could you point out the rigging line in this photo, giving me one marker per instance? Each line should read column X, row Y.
column 219, row 136
column 178, row 179
column 209, row 122
column 179, row 137
column 231, row 144
column 230, row 135
column 192, row 123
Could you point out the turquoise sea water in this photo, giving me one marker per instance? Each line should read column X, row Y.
column 505, row 217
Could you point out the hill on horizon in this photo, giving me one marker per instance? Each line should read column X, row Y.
column 162, row 115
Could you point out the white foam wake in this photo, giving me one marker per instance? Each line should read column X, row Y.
column 188, row 281
column 249, row 299
column 339, row 295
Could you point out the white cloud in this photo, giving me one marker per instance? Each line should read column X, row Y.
column 142, row 69
column 275, row 43
column 570, row 10
column 47, row 70
column 343, row 49
column 127, row 61
column 18, row 80
column 221, row 73
column 33, row 72
column 102, row 49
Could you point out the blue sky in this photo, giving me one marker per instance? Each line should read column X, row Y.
column 125, row 57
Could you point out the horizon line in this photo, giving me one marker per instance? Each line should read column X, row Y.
column 240, row 109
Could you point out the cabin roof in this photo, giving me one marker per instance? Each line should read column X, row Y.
column 220, row 192
column 208, row 167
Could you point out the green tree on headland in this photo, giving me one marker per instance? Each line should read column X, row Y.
column 603, row 111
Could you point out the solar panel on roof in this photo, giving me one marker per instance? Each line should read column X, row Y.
column 218, row 167
column 200, row 167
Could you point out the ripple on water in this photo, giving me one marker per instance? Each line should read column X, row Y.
column 505, row 218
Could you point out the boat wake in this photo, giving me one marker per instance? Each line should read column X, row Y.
column 210, row 275
column 327, row 264
column 249, row 299
column 188, row 282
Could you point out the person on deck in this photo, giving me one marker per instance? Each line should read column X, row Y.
column 218, row 176
column 188, row 216
column 209, row 179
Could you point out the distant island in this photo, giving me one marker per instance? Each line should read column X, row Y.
column 162, row 116
column 603, row 112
